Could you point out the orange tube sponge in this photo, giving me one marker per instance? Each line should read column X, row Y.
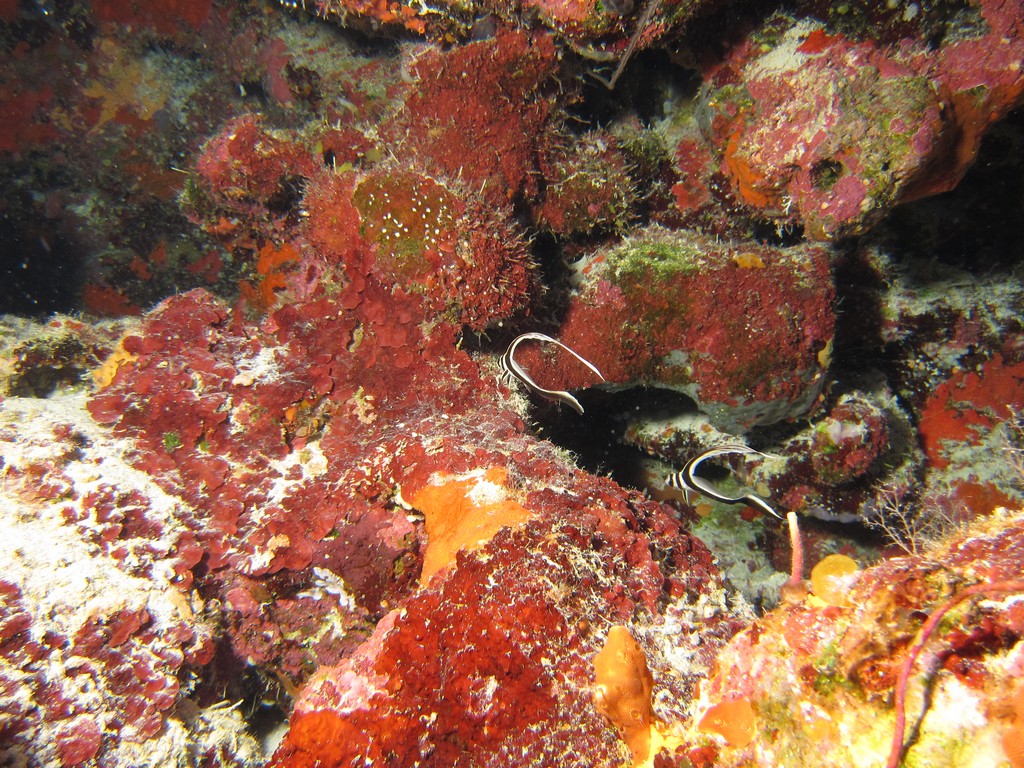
column 623, row 690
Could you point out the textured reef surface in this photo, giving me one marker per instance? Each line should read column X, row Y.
column 283, row 483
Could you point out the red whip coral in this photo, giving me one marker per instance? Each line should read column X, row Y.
column 976, row 590
column 817, row 673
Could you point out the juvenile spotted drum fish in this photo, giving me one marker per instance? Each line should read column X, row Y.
column 688, row 481
column 512, row 370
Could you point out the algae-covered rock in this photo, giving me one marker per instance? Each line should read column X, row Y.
column 742, row 328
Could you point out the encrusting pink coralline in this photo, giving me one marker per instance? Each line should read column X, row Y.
column 829, row 131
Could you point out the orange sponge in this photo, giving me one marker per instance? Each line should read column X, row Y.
column 464, row 512
column 1013, row 737
column 831, row 578
column 735, row 721
column 623, row 690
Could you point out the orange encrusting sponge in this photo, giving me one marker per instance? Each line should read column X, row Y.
column 623, row 690
column 831, row 578
column 1013, row 737
column 735, row 721
column 464, row 512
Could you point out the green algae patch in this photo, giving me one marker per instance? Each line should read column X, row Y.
column 657, row 259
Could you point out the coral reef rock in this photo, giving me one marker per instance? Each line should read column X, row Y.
column 743, row 328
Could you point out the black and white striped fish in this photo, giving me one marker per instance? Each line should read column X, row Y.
column 510, row 369
column 688, row 481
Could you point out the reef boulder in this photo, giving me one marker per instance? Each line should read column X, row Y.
column 829, row 128
column 744, row 329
